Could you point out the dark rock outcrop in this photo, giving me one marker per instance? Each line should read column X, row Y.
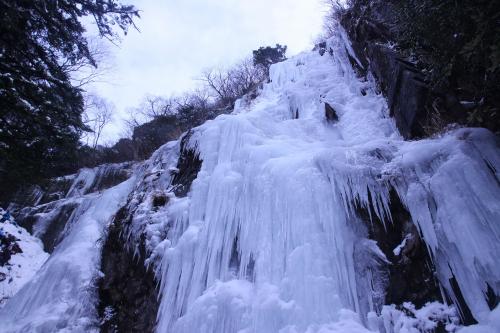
column 404, row 86
column 410, row 273
column 47, row 221
column 151, row 135
column 188, row 166
column 412, row 103
column 52, row 235
column 128, row 290
column 330, row 114
column 8, row 247
column 321, row 48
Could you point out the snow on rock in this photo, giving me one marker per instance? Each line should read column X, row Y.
column 21, row 257
column 400, row 247
column 408, row 319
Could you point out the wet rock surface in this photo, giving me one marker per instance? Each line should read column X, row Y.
column 52, row 235
column 47, row 221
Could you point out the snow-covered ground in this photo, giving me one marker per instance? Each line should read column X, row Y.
column 26, row 257
column 265, row 241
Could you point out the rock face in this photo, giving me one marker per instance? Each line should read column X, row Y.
column 188, row 166
column 399, row 80
column 411, row 276
column 8, row 248
column 151, row 135
column 330, row 113
column 411, row 102
column 405, row 88
column 128, row 290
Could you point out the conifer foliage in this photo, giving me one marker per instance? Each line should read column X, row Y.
column 266, row 56
column 40, row 110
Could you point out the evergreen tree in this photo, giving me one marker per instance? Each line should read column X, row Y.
column 40, row 110
column 266, row 56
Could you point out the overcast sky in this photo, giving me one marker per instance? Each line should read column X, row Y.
column 180, row 38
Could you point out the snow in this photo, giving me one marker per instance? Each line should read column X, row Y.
column 400, row 247
column 408, row 319
column 61, row 297
column 22, row 266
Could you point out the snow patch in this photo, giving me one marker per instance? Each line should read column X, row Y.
column 24, row 261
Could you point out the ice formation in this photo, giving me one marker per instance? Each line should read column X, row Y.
column 61, row 295
column 266, row 238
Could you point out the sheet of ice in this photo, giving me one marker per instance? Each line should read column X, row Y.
column 451, row 188
column 60, row 297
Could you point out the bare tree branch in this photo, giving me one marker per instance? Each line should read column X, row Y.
column 98, row 113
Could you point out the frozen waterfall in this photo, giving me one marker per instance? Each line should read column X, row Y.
column 268, row 234
column 269, row 237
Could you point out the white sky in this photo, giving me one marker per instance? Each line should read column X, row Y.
column 180, row 38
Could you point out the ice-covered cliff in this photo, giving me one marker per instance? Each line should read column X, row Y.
column 302, row 211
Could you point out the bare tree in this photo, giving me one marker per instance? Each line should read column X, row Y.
column 156, row 106
column 218, row 81
column 199, row 98
column 85, row 71
column 230, row 84
column 334, row 9
column 98, row 113
column 132, row 120
column 245, row 76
